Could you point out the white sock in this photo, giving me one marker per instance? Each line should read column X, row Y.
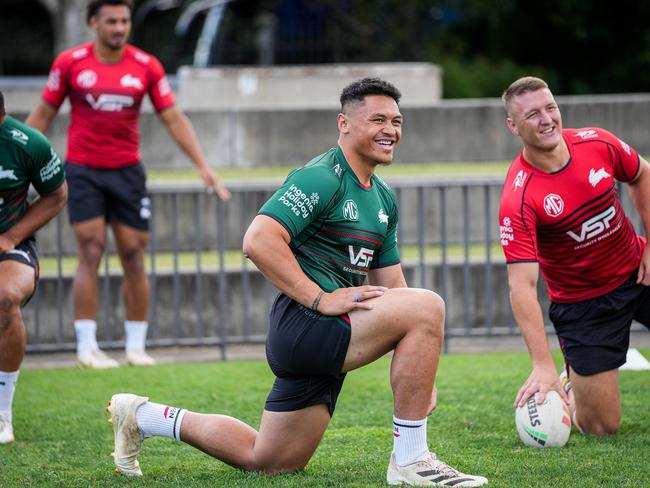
column 157, row 419
column 86, row 331
column 409, row 440
column 135, row 332
column 7, row 388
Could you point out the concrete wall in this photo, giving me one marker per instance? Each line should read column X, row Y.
column 451, row 130
column 300, row 87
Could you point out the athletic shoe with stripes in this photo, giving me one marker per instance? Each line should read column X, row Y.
column 128, row 436
column 428, row 470
column 6, row 430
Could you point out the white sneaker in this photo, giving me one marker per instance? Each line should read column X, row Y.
column 139, row 357
column 6, row 430
column 428, row 470
column 128, row 436
column 97, row 359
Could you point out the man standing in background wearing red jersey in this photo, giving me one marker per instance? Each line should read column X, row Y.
column 561, row 214
column 106, row 80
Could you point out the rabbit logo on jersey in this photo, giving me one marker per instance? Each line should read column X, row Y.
column 301, row 204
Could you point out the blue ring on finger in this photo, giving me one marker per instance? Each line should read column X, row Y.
column 357, row 297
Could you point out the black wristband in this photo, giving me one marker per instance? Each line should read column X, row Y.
column 316, row 302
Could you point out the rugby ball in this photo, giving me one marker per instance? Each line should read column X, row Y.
column 545, row 425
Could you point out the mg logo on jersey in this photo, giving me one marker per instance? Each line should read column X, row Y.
column 553, row 205
column 350, row 210
column 595, row 225
column 519, row 180
column 109, row 103
column 361, row 258
column 596, row 176
column 130, row 81
column 87, row 78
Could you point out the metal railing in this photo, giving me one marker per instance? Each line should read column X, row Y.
column 203, row 291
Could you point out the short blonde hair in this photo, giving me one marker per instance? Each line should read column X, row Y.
column 521, row 86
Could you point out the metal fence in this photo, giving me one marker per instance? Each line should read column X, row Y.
column 205, row 292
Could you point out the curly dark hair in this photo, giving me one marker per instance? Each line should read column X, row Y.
column 95, row 5
column 356, row 91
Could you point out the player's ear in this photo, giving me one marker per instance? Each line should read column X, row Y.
column 511, row 126
column 343, row 123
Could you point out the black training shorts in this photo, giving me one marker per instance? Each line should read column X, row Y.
column 595, row 334
column 26, row 253
column 305, row 351
column 119, row 195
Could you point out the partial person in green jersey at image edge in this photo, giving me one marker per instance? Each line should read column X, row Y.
column 330, row 227
column 26, row 157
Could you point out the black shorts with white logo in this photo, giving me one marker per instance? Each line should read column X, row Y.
column 595, row 334
column 26, row 253
column 119, row 195
column 305, row 351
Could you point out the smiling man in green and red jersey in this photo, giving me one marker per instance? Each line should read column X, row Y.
column 331, row 225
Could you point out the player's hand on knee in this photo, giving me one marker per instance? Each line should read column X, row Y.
column 345, row 300
column 643, row 276
column 6, row 243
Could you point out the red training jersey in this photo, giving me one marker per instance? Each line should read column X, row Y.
column 571, row 221
column 105, row 102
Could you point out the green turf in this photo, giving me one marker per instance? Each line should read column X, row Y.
column 187, row 261
column 475, row 169
column 64, row 439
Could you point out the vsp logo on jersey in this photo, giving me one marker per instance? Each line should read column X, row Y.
column 595, row 225
column 350, row 210
column 299, row 202
column 109, row 103
column 361, row 258
column 553, row 205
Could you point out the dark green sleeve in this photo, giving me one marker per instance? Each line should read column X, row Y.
column 302, row 197
column 45, row 168
column 389, row 252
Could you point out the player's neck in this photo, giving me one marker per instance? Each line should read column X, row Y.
column 361, row 168
column 107, row 55
column 548, row 160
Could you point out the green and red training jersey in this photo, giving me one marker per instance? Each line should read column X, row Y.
column 25, row 157
column 339, row 228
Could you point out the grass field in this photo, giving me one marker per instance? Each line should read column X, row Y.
column 187, row 261
column 397, row 170
column 65, row 441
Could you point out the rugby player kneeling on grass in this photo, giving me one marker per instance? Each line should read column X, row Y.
column 331, row 226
